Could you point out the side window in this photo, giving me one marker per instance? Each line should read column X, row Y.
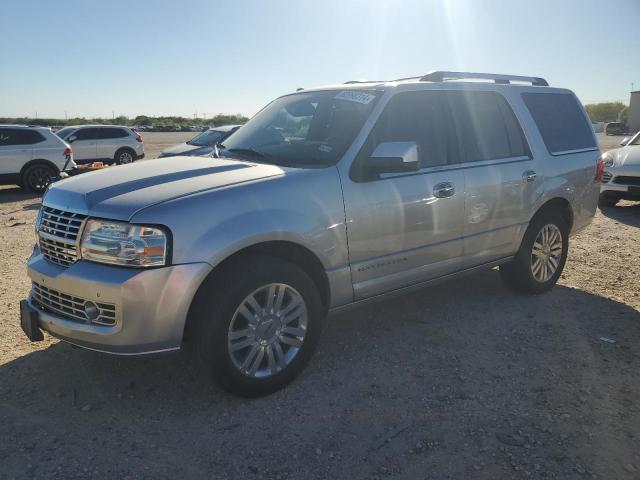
column 112, row 133
column 561, row 121
column 487, row 127
column 31, row 137
column 87, row 134
column 14, row 136
column 422, row 117
column 6, row 137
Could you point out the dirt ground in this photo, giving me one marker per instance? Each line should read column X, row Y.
column 466, row 380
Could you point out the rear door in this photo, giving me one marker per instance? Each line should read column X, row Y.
column 85, row 145
column 406, row 228
column 111, row 139
column 502, row 178
column 16, row 149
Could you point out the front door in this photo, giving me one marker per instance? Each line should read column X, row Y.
column 407, row 228
column 85, row 144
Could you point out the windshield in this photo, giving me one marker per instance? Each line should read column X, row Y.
column 63, row 132
column 206, row 139
column 305, row 129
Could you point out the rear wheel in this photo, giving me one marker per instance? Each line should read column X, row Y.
column 255, row 330
column 36, row 178
column 541, row 257
column 124, row 156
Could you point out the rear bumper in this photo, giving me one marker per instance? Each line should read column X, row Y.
column 140, row 157
column 151, row 305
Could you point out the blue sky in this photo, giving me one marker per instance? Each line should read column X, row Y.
column 90, row 57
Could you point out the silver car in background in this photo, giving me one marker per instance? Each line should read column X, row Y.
column 621, row 179
column 105, row 143
column 326, row 199
column 201, row 144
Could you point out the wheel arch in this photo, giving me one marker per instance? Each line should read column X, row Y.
column 557, row 204
column 37, row 161
column 286, row 250
column 129, row 149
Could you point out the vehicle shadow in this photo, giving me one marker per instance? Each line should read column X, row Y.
column 625, row 212
column 17, row 194
column 398, row 386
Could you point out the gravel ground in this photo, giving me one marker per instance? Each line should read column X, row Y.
column 466, row 380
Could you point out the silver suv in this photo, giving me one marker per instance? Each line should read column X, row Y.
column 105, row 143
column 327, row 198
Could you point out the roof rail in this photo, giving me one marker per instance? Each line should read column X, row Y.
column 363, row 81
column 441, row 76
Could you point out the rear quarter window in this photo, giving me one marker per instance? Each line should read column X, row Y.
column 561, row 122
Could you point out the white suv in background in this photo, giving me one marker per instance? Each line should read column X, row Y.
column 104, row 143
column 30, row 156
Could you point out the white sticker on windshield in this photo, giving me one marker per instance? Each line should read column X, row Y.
column 355, row 96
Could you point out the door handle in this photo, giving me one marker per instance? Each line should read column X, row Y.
column 529, row 176
column 444, row 190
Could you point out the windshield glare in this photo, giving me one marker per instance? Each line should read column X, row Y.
column 305, row 129
column 635, row 140
column 206, row 139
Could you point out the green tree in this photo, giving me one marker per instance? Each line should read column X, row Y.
column 604, row 112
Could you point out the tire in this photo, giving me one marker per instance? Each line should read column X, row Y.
column 605, row 201
column 244, row 364
column 37, row 177
column 124, row 156
column 520, row 274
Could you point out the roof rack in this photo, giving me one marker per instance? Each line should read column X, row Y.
column 364, row 81
column 441, row 76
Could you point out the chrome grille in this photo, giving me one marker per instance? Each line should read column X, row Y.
column 58, row 232
column 71, row 307
column 606, row 177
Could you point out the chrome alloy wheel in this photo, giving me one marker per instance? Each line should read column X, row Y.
column 125, row 157
column 546, row 253
column 267, row 330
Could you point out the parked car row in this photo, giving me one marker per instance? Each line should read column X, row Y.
column 32, row 156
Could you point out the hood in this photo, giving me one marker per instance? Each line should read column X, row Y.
column 117, row 193
column 185, row 149
column 626, row 156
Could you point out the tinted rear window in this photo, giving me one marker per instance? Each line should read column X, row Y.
column 19, row 136
column 561, row 121
column 488, row 128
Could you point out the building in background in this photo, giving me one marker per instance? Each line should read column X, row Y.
column 634, row 112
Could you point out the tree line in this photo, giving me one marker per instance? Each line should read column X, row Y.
column 140, row 120
column 607, row 112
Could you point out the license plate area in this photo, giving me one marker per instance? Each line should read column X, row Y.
column 29, row 322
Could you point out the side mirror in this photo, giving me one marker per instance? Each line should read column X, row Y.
column 625, row 140
column 394, row 157
column 72, row 139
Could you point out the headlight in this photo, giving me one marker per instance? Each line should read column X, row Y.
column 608, row 160
column 119, row 243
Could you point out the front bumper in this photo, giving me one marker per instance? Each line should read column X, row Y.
column 151, row 305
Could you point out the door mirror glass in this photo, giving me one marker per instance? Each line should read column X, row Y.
column 72, row 139
column 624, row 141
column 394, row 157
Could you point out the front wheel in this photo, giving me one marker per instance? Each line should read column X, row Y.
column 541, row 257
column 256, row 328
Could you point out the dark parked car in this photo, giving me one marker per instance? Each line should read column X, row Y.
column 616, row 128
column 201, row 144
